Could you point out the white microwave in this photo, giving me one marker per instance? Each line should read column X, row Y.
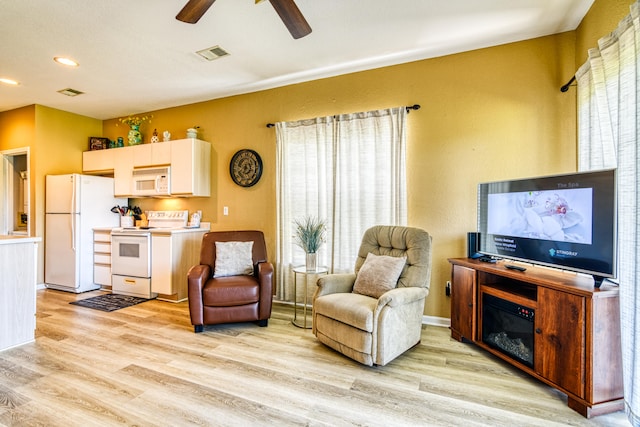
column 152, row 181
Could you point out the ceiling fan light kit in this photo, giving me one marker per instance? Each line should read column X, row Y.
column 286, row 9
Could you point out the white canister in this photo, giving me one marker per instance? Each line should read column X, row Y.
column 126, row 221
column 195, row 220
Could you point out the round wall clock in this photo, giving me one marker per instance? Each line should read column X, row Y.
column 245, row 168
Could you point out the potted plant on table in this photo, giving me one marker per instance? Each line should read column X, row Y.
column 309, row 235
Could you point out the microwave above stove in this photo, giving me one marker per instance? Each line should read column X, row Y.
column 153, row 181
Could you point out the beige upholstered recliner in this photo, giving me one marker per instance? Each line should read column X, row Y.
column 369, row 329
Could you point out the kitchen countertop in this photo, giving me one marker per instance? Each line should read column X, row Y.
column 204, row 227
column 8, row 240
column 103, row 228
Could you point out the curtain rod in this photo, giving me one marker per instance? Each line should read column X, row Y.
column 566, row 87
column 412, row 107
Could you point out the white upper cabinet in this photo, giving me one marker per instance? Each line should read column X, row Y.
column 189, row 159
column 98, row 161
column 190, row 168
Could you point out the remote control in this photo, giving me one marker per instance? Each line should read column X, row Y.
column 514, row 267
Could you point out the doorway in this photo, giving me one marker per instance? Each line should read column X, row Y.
column 15, row 187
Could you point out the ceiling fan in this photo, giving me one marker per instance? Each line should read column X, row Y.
column 287, row 9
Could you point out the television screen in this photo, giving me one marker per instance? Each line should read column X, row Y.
column 566, row 221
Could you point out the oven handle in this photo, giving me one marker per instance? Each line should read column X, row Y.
column 132, row 234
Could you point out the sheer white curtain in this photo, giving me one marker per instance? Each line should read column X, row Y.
column 347, row 170
column 608, row 116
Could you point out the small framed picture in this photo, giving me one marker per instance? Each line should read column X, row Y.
column 98, row 143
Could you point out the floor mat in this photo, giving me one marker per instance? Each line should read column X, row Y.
column 109, row 302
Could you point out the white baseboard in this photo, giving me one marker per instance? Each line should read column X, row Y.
column 436, row 321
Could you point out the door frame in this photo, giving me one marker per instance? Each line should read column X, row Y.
column 7, row 212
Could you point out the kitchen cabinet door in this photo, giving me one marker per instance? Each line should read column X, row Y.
column 172, row 255
column 98, row 161
column 149, row 155
column 123, row 167
column 190, row 167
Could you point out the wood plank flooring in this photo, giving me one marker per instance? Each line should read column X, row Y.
column 144, row 366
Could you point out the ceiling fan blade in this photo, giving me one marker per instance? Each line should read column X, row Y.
column 292, row 17
column 193, row 10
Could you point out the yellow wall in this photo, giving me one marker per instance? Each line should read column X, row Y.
column 60, row 137
column 17, row 131
column 56, row 140
column 489, row 114
column 17, row 128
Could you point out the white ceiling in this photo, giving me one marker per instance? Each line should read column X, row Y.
column 135, row 56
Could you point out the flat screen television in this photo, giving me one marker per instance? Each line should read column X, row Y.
column 566, row 221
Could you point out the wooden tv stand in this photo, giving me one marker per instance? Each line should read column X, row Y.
column 577, row 327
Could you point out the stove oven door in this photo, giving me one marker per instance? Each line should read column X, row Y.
column 131, row 254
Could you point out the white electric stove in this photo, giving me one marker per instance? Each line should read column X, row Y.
column 157, row 220
column 131, row 252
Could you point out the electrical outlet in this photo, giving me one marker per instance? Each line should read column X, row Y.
column 225, row 210
column 447, row 289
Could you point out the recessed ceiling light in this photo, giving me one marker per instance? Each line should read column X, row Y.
column 8, row 81
column 65, row 61
column 70, row 92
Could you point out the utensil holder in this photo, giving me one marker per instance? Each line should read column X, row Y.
column 126, row 221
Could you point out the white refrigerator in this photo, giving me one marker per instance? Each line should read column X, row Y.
column 74, row 205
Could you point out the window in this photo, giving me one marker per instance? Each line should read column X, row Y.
column 348, row 170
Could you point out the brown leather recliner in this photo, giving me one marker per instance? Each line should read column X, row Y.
column 244, row 298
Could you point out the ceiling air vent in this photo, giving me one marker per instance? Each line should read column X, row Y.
column 212, row 53
column 70, row 92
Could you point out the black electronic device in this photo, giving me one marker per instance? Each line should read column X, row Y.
column 565, row 221
column 514, row 267
column 473, row 239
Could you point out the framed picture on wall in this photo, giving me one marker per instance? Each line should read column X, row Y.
column 98, row 143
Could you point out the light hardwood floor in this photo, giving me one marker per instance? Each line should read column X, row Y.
column 145, row 366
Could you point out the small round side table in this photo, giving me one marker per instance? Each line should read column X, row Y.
column 302, row 270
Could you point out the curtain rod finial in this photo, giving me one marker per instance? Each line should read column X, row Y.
column 566, row 87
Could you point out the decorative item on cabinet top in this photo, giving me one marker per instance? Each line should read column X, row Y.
column 98, row 143
column 193, row 132
column 135, row 136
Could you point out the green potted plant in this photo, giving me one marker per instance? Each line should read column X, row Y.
column 309, row 235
